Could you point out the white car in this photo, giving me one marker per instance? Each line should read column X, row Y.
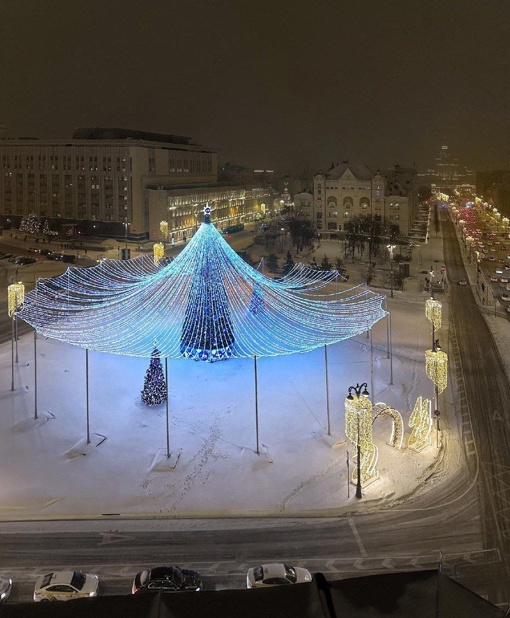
column 505, row 298
column 503, row 279
column 276, row 575
column 65, row 585
column 5, row 587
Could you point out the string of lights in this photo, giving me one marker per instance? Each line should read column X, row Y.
column 207, row 303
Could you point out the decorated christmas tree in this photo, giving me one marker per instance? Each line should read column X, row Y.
column 154, row 388
column 30, row 224
column 257, row 301
column 207, row 332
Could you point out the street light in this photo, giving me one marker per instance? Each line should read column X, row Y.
column 359, row 404
column 390, row 249
column 126, row 225
column 15, row 299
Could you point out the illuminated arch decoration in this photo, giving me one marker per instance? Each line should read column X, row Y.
column 15, row 298
column 433, row 310
column 436, row 366
column 421, row 421
column 200, row 305
column 397, row 425
column 358, row 427
column 159, row 251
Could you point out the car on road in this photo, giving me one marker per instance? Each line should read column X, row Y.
column 5, row 587
column 166, row 579
column 505, row 298
column 65, row 585
column 276, row 575
column 493, row 278
column 503, row 279
column 463, row 282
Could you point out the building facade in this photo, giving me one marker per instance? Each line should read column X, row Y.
column 103, row 181
column 350, row 190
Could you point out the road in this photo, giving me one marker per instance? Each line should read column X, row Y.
column 459, row 514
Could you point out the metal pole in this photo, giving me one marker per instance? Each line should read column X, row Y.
column 35, row 374
column 16, row 335
column 12, row 354
column 371, row 368
column 391, row 355
column 387, row 328
column 327, row 386
column 391, row 273
column 167, row 421
column 436, row 414
column 348, row 477
column 256, row 403
column 87, row 392
column 358, row 480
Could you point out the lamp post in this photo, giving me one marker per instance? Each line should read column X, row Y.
column 126, row 225
column 15, row 299
column 358, row 393
column 390, row 249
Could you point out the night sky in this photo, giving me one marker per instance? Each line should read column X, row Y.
column 274, row 83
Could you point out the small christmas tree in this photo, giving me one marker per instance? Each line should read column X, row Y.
column 154, row 388
column 257, row 300
column 325, row 264
column 288, row 265
column 30, row 224
column 272, row 263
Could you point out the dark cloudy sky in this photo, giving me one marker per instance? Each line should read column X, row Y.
column 271, row 83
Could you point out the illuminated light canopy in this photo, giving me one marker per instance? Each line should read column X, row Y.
column 163, row 226
column 159, row 251
column 433, row 310
column 436, row 366
column 15, row 297
column 358, row 429
column 207, row 303
column 421, row 422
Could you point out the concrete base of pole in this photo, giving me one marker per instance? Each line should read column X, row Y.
column 162, row 463
column 82, row 448
column 30, row 423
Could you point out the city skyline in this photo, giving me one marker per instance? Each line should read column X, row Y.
column 268, row 86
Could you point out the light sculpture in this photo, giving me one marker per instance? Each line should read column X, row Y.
column 397, row 424
column 163, row 226
column 15, row 297
column 436, row 366
column 421, row 422
column 159, row 251
column 358, row 429
column 433, row 310
column 206, row 304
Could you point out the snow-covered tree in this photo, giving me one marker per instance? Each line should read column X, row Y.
column 288, row 265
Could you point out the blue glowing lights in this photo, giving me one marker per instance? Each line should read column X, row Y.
column 206, row 304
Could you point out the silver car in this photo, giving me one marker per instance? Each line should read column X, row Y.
column 5, row 587
column 65, row 585
column 276, row 575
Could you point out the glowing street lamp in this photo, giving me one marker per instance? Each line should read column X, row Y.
column 390, row 249
column 436, row 367
column 15, row 299
column 159, row 252
column 433, row 309
column 358, row 425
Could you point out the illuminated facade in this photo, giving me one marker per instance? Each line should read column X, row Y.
column 350, row 190
column 98, row 180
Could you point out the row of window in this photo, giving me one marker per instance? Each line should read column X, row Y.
column 56, row 162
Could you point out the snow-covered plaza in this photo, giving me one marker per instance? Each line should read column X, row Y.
column 300, row 469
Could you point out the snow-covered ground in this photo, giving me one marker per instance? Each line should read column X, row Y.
column 48, row 471
column 211, row 425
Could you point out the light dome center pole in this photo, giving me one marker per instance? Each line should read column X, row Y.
column 327, row 386
column 256, row 403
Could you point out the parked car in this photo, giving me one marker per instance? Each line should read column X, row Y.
column 65, row 585
column 5, row 587
column 167, row 579
column 276, row 575
column 492, row 278
column 503, row 279
column 505, row 298
column 463, row 282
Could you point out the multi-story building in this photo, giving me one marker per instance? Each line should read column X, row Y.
column 349, row 190
column 105, row 181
